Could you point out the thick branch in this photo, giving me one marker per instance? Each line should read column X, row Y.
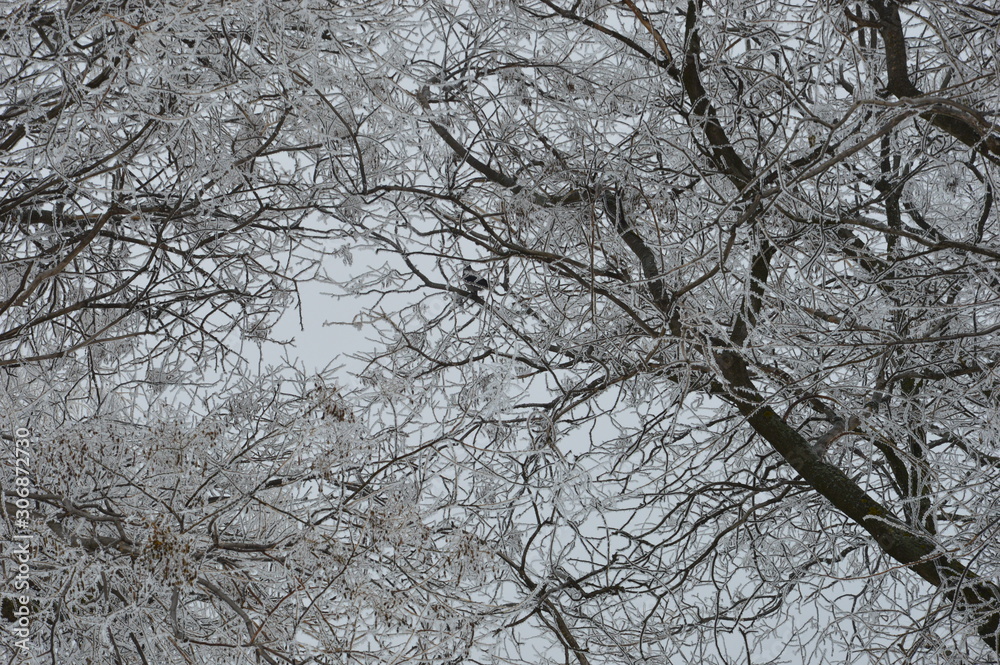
column 759, row 270
column 615, row 211
column 978, row 137
column 723, row 153
column 972, row 594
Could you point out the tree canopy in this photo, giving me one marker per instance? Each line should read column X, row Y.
column 687, row 317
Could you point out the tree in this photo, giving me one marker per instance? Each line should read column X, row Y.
column 727, row 391
column 164, row 164
column 272, row 527
column 159, row 178
column 750, row 257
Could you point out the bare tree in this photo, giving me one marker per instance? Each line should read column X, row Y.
column 740, row 323
column 696, row 357
column 161, row 161
column 275, row 525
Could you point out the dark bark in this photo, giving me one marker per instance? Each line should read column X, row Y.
column 957, row 119
column 980, row 598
